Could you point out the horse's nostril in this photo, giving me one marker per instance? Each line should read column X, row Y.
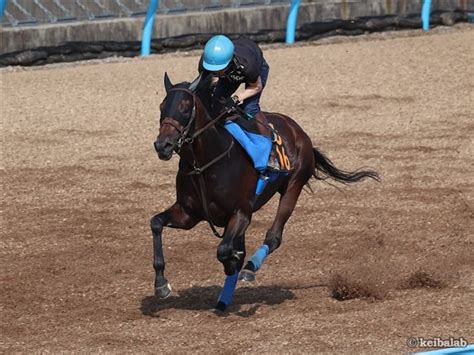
column 157, row 146
column 161, row 145
column 164, row 149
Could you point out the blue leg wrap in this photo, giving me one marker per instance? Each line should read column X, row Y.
column 259, row 256
column 228, row 290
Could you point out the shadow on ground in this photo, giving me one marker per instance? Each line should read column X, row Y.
column 205, row 298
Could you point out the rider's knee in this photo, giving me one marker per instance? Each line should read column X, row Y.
column 252, row 107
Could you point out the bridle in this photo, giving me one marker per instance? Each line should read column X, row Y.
column 187, row 138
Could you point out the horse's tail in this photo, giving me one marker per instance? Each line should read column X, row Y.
column 324, row 169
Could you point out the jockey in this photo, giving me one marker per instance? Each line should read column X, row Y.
column 233, row 63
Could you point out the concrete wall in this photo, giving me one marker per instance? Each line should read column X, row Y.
column 241, row 20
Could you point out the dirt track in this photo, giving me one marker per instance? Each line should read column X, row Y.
column 81, row 180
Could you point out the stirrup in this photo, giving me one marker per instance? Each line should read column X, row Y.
column 261, row 183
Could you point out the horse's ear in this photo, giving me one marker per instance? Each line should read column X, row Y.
column 200, row 83
column 168, row 84
column 194, row 86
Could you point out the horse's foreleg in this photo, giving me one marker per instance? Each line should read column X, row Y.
column 274, row 234
column 231, row 253
column 174, row 217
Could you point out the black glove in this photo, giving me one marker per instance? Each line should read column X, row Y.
column 231, row 102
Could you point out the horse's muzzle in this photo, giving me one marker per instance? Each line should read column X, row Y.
column 164, row 149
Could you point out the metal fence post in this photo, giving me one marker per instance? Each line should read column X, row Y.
column 291, row 23
column 425, row 14
column 3, row 5
column 148, row 27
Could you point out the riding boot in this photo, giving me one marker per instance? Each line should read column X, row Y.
column 262, row 128
column 262, row 124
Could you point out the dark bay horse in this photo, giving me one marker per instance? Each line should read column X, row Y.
column 216, row 182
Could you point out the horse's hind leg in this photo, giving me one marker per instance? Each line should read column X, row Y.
column 274, row 234
column 174, row 217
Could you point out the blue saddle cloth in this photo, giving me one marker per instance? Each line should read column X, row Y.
column 257, row 146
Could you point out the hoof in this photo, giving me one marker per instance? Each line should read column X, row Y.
column 247, row 275
column 163, row 291
column 220, row 307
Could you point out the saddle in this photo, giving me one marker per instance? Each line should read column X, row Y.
column 278, row 160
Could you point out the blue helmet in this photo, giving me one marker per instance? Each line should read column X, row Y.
column 218, row 53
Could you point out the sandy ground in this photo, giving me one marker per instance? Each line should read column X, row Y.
column 81, row 179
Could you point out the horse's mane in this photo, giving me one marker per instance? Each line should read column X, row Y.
column 201, row 86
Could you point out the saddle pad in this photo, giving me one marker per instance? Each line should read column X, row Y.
column 257, row 146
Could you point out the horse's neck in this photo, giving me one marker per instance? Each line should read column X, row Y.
column 210, row 142
column 212, row 138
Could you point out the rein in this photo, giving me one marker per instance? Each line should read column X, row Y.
column 187, row 138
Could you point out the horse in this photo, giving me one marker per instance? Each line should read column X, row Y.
column 216, row 182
